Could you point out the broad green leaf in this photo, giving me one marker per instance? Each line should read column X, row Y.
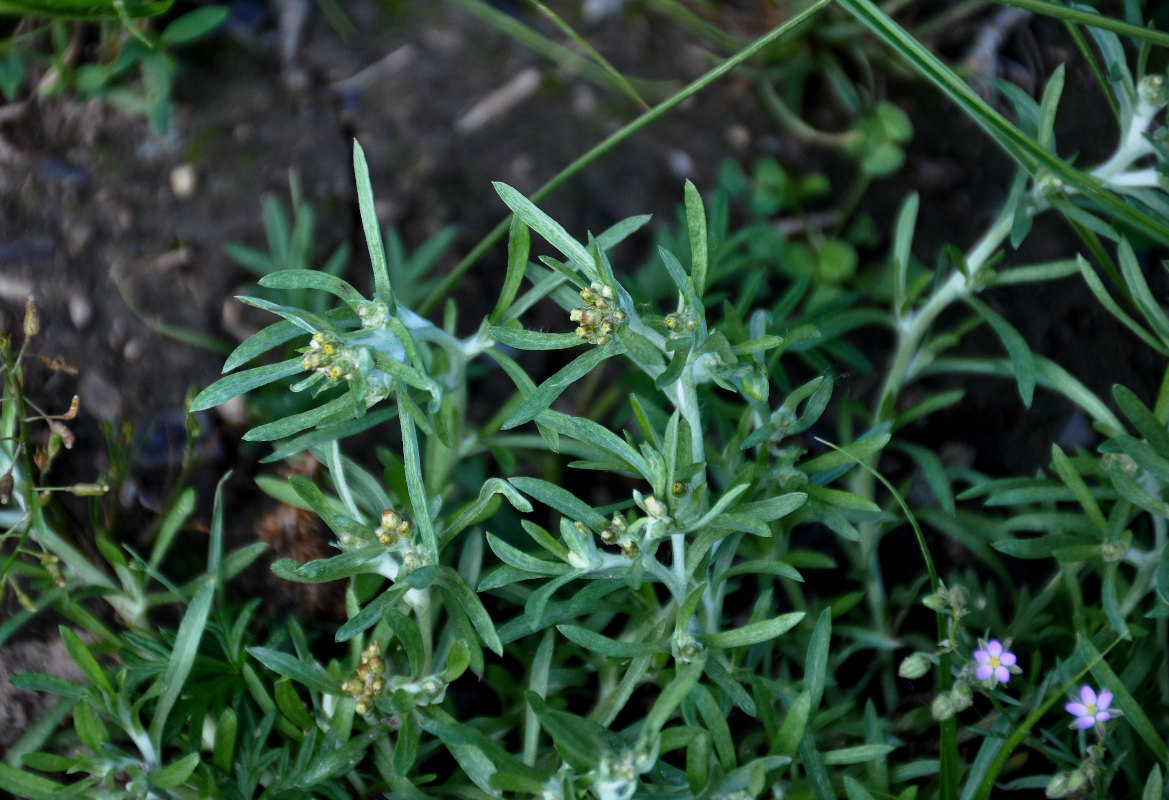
column 473, row 513
column 223, row 749
column 335, row 412
column 416, row 486
column 1073, row 480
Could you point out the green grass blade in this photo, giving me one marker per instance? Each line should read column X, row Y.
column 1093, row 19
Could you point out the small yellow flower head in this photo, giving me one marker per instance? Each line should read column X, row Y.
column 600, row 318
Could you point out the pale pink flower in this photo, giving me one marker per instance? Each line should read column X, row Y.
column 1091, row 709
column 994, row 661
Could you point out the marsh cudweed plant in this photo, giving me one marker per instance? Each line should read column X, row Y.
column 686, row 591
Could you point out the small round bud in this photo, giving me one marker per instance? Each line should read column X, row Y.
column 962, row 697
column 914, row 666
column 942, row 708
column 363, row 705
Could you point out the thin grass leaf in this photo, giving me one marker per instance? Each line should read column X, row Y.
column 547, row 392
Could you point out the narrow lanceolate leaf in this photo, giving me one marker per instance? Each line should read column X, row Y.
column 547, row 227
column 262, row 341
column 313, row 279
column 562, row 500
column 696, row 225
column 369, row 224
column 25, row 784
column 1022, row 361
column 547, row 392
column 753, row 633
column 902, row 250
column 612, row 648
column 175, row 774
column 454, row 585
column 310, row 675
column 522, row 339
column 518, row 246
column 85, row 660
column 182, row 658
column 234, row 385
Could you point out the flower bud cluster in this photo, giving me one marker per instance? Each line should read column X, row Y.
column 392, row 527
column 600, row 318
column 1073, row 783
column 617, row 774
column 678, row 322
column 685, row 648
column 373, row 314
column 369, row 681
column 617, row 533
column 327, row 355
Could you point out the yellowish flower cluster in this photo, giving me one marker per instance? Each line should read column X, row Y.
column 392, row 527
column 600, row 318
column 369, row 680
column 329, row 356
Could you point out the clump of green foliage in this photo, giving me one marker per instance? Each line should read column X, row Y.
column 658, row 571
column 131, row 65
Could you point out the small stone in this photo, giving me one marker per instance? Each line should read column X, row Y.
column 737, row 137
column 80, row 311
column 183, row 181
column 681, row 164
column 133, row 349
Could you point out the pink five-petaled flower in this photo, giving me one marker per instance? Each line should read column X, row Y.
column 993, row 661
column 1091, row 708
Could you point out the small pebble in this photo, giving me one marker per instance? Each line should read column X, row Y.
column 133, row 349
column 80, row 311
column 737, row 137
column 681, row 164
column 183, row 181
